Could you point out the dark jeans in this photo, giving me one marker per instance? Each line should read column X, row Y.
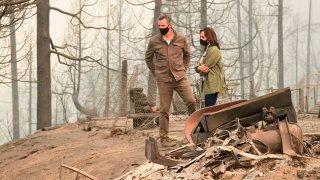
column 210, row 99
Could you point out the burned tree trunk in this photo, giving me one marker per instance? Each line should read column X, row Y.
column 252, row 81
column 240, row 51
column 203, row 22
column 308, row 60
column 280, row 45
column 43, row 65
column 14, row 75
column 107, row 101
column 123, row 92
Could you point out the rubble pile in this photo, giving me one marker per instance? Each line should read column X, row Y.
column 227, row 154
column 231, row 141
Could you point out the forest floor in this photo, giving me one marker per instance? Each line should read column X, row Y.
column 109, row 153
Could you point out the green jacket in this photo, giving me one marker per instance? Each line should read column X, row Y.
column 214, row 80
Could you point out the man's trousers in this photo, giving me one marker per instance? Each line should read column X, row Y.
column 183, row 88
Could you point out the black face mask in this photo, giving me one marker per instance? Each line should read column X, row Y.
column 204, row 43
column 164, row 31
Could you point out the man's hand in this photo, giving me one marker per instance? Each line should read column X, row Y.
column 154, row 109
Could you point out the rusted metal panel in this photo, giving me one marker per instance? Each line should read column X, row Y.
column 195, row 118
column 271, row 138
column 287, row 146
column 250, row 111
column 280, row 100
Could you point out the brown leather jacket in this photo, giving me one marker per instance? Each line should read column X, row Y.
column 171, row 61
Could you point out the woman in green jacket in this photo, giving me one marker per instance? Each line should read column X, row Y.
column 210, row 67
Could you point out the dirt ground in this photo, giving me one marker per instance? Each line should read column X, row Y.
column 101, row 152
column 109, row 153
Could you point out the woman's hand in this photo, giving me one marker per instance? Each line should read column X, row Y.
column 203, row 68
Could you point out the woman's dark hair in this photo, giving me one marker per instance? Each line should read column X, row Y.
column 211, row 36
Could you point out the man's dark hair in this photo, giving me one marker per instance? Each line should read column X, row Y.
column 163, row 16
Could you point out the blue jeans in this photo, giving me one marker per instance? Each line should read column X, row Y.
column 210, row 99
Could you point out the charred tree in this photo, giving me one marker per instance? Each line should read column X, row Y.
column 203, row 14
column 14, row 75
column 252, row 82
column 107, row 100
column 43, row 65
column 240, row 51
column 308, row 59
column 280, row 45
column 123, row 93
column 30, row 93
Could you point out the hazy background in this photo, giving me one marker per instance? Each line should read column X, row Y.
column 295, row 15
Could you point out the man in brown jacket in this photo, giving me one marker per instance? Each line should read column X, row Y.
column 172, row 57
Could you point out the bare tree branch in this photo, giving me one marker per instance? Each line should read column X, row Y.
column 86, row 58
column 140, row 4
column 242, row 46
column 81, row 22
column 11, row 3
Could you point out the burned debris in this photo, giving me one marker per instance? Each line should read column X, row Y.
column 231, row 140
